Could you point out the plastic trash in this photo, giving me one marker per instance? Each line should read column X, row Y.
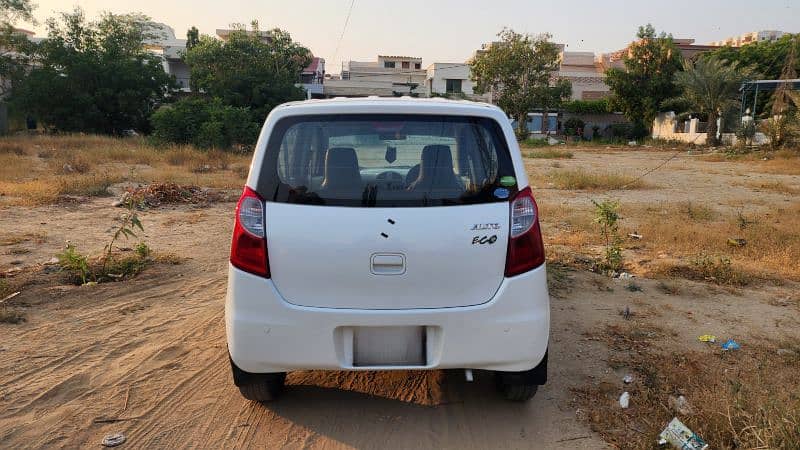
column 627, row 379
column 737, row 242
column 707, row 338
column 625, row 400
column 635, row 235
column 730, row 344
column 113, row 440
column 680, row 436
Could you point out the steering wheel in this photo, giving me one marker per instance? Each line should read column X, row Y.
column 391, row 180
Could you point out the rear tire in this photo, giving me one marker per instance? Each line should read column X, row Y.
column 519, row 392
column 258, row 387
column 264, row 388
column 522, row 386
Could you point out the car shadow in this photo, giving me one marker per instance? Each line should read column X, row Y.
column 469, row 414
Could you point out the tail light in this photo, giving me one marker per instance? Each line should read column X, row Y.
column 249, row 246
column 525, row 248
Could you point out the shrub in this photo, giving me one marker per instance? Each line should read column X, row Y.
column 606, row 216
column 621, row 130
column 573, row 126
column 588, row 106
column 206, row 123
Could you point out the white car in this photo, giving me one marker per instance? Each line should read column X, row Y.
column 387, row 234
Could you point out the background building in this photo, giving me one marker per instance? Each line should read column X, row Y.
column 171, row 49
column 749, row 38
column 386, row 76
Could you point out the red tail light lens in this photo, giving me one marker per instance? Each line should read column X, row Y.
column 525, row 248
column 249, row 246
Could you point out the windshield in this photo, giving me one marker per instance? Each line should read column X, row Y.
column 386, row 160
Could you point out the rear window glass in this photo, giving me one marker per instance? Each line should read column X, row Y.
column 386, row 160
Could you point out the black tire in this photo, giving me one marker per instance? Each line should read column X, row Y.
column 522, row 386
column 258, row 387
column 264, row 387
column 519, row 392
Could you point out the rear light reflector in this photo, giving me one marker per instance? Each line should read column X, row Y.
column 249, row 246
column 525, row 247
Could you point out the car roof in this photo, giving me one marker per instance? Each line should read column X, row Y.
column 388, row 105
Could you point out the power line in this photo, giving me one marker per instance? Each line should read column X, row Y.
column 341, row 36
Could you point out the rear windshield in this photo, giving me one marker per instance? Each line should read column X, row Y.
column 386, row 160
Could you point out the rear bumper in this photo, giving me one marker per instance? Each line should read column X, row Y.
column 267, row 334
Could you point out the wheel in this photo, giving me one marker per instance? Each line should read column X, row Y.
column 522, row 386
column 258, row 387
column 519, row 392
column 263, row 387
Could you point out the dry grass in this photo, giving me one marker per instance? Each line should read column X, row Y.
column 748, row 398
column 548, row 153
column 43, row 169
column 581, row 180
column 783, row 162
column 774, row 186
column 11, row 315
column 700, row 242
column 683, row 239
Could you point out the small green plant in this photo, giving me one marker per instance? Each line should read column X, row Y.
column 107, row 267
column 718, row 270
column 73, row 261
column 126, row 226
column 142, row 250
column 607, row 217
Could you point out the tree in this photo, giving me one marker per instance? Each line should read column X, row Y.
column 93, row 76
column 14, row 10
column 711, row 86
column 252, row 69
column 519, row 70
column 192, row 38
column 13, row 61
column 551, row 96
column 768, row 58
column 647, row 80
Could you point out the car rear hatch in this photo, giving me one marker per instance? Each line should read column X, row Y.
column 387, row 212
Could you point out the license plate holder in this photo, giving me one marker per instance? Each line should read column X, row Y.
column 389, row 346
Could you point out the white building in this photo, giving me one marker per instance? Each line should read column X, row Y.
column 749, row 38
column 170, row 48
column 451, row 79
column 386, row 76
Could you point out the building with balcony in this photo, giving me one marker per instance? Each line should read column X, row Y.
column 749, row 38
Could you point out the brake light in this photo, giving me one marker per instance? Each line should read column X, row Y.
column 525, row 247
column 249, row 246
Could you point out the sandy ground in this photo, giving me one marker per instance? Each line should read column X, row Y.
column 146, row 357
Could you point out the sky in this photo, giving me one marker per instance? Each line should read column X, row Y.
column 450, row 31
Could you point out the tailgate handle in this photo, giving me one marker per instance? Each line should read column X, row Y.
column 388, row 264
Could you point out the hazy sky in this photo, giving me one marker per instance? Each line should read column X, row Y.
column 449, row 31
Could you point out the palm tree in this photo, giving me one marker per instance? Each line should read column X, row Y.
column 710, row 86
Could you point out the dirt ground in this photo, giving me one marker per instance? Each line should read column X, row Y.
column 146, row 357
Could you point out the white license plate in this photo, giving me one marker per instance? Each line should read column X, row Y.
column 389, row 346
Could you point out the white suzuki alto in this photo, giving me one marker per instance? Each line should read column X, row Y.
column 387, row 234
